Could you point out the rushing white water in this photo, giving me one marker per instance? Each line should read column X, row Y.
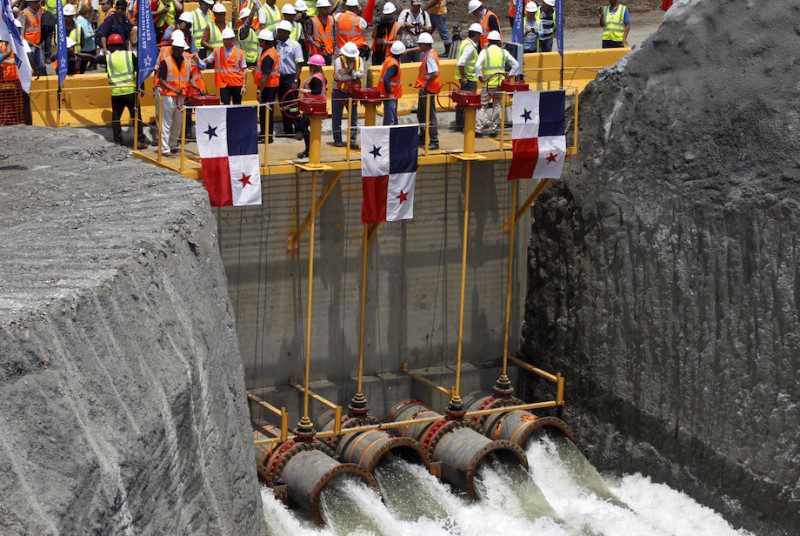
column 563, row 495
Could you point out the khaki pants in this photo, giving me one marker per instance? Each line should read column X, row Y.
column 488, row 120
column 170, row 121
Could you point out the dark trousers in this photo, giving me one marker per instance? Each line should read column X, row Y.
column 231, row 93
column 83, row 64
column 611, row 44
column 118, row 105
column 48, row 32
column 422, row 105
column 466, row 85
column 338, row 104
column 304, row 126
column 546, row 45
column 268, row 96
column 285, row 84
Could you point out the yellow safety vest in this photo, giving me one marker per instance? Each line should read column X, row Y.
column 273, row 17
column 75, row 35
column 199, row 24
column 51, row 6
column 297, row 31
column 312, row 8
column 614, row 29
column 494, row 61
column 469, row 67
column 214, row 36
column 120, row 73
column 250, row 47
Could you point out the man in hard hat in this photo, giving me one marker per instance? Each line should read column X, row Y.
column 184, row 24
column 248, row 39
column 116, row 23
column 267, row 79
column 530, row 27
column 31, row 32
column 350, row 25
column 429, row 83
column 493, row 64
column 321, row 39
column 255, row 7
column 74, row 31
column 465, row 67
column 212, row 37
column 230, row 68
column 348, row 71
column 290, row 14
column 546, row 19
column 164, row 16
column 616, row 23
column 291, row 65
column 121, row 70
column 269, row 15
column 488, row 20
column 384, row 33
column 201, row 19
column 390, row 82
column 437, row 9
column 173, row 79
column 411, row 23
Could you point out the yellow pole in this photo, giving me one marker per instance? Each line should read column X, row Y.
column 349, row 127
column 268, row 112
column 502, row 120
column 136, row 122
column 160, row 114
column 315, row 139
column 305, row 428
column 183, row 138
column 469, row 130
column 455, row 409
column 503, row 386
column 358, row 405
column 369, row 115
column 427, row 123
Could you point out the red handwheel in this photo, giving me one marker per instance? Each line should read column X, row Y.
column 290, row 109
column 445, row 96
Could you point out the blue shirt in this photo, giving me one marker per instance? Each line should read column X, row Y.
column 113, row 25
column 88, row 34
column 627, row 19
column 290, row 54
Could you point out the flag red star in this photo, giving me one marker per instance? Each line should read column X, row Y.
column 245, row 180
column 552, row 157
column 402, row 196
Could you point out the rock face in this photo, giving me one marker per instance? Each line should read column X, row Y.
column 665, row 268
column 122, row 402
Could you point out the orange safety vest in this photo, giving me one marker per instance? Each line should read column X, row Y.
column 389, row 37
column 485, row 26
column 322, row 36
column 9, row 70
column 227, row 69
column 396, row 83
column 33, row 26
column 320, row 76
column 176, row 77
column 349, row 30
column 274, row 76
column 434, row 85
column 197, row 84
column 512, row 8
column 164, row 51
column 347, row 85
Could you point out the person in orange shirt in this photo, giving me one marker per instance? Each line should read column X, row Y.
column 31, row 19
column 267, row 79
column 174, row 72
column 429, row 84
column 489, row 21
column 350, row 26
column 230, row 68
column 321, row 39
column 384, row 33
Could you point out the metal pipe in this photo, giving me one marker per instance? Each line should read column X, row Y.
column 503, row 385
column 305, row 427
column 457, row 444
column 455, row 400
column 358, row 405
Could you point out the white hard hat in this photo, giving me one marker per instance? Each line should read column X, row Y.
column 243, row 14
column 323, row 3
column 300, row 5
column 219, row 8
column 424, row 39
column 177, row 34
column 352, row 3
column 551, row 3
column 475, row 27
column 531, row 7
column 186, row 17
column 288, row 9
column 227, row 33
column 397, row 48
column 266, row 35
column 69, row 10
column 285, row 25
column 494, row 35
column 179, row 40
column 473, row 5
column 350, row 49
column 209, row 2
column 70, row 43
column 388, row 8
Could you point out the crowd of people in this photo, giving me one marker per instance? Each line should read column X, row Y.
column 277, row 43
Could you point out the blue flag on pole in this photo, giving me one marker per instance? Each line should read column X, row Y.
column 560, row 26
column 61, row 39
column 10, row 34
column 517, row 31
column 147, row 50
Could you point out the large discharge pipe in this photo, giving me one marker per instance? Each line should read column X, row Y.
column 516, row 426
column 368, row 449
column 304, row 469
column 457, row 444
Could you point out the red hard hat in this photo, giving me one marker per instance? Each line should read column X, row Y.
column 114, row 39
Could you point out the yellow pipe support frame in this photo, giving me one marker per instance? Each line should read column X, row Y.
column 305, row 427
column 469, row 131
column 294, row 237
column 537, row 191
column 560, row 389
column 530, row 368
column 427, row 420
column 425, row 381
column 455, row 400
column 136, row 122
column 315, row 140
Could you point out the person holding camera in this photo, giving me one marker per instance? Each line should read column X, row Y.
column 412, row 22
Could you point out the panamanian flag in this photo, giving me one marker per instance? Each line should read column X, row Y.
column 538, row 135
column 227, row 138
column 388, row 172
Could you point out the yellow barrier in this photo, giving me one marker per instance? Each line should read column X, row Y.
column 86, row 99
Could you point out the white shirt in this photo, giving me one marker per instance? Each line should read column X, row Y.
column 339, row 64
column 508, row 60
column 467, row 56
column 430, row 64
column 407, row 17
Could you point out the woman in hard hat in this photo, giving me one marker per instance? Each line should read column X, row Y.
column 530, row 25
column 315, row 84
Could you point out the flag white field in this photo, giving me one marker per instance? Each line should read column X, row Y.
column 10, row 34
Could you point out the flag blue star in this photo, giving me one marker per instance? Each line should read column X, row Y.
column 526, row 115
column 211, row 132
column 376, row 151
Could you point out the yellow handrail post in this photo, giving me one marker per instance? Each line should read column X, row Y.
column 183, row 139
column 160, row 115
column 268, row 113
column 136, row 105
column 349, row 128
column 503, row 385
column 502, row 120
column 427, row 122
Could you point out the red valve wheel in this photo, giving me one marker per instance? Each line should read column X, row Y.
column 446, row 91
column 290, row 109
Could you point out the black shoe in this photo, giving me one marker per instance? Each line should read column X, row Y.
column 338, row 143
column 304, row 154
column 261, row 138
column 286, row 135
column 433, row 146
column 354, row 146
column 271, row 139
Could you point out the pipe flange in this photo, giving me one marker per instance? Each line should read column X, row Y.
column 554, row 423
column 401, row 405
column 342, row 468
column 446, row 427
column 494, row 446
column 294, row 449
column 397, row 442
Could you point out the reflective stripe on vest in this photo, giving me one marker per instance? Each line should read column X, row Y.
column 469, row 67
column 273, row 17
column 322, row 36
column 346, row 85
column 33, row 26
column 494, row 62
column 297, row 31
column 319, row 76
column 349, row 29
column 546, row 26
column 250, row 46
column 119, row 68
column 273, row 77
column 484, row 38
column 177, row 77
column 614, row 23
column 422, row 80
column 200, row 22
column 396, row 87
column 214, row 36
column 227, row 68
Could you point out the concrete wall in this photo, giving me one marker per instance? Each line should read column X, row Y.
column 413, row 281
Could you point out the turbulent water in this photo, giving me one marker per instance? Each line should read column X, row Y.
column 562, row 495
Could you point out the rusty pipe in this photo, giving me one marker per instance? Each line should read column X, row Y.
column 457, row 444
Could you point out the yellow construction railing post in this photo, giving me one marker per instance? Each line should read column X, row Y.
column 315, row 140
column 427, row 122
column 503, row 385
column 369, row 115
column 136, row 105
column 349, row 127
column 469, row 130
column 160, row 115
column 268, row 113
column 183, row 139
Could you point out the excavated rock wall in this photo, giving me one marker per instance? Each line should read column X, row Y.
column 122, row 401
column 665, row 267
